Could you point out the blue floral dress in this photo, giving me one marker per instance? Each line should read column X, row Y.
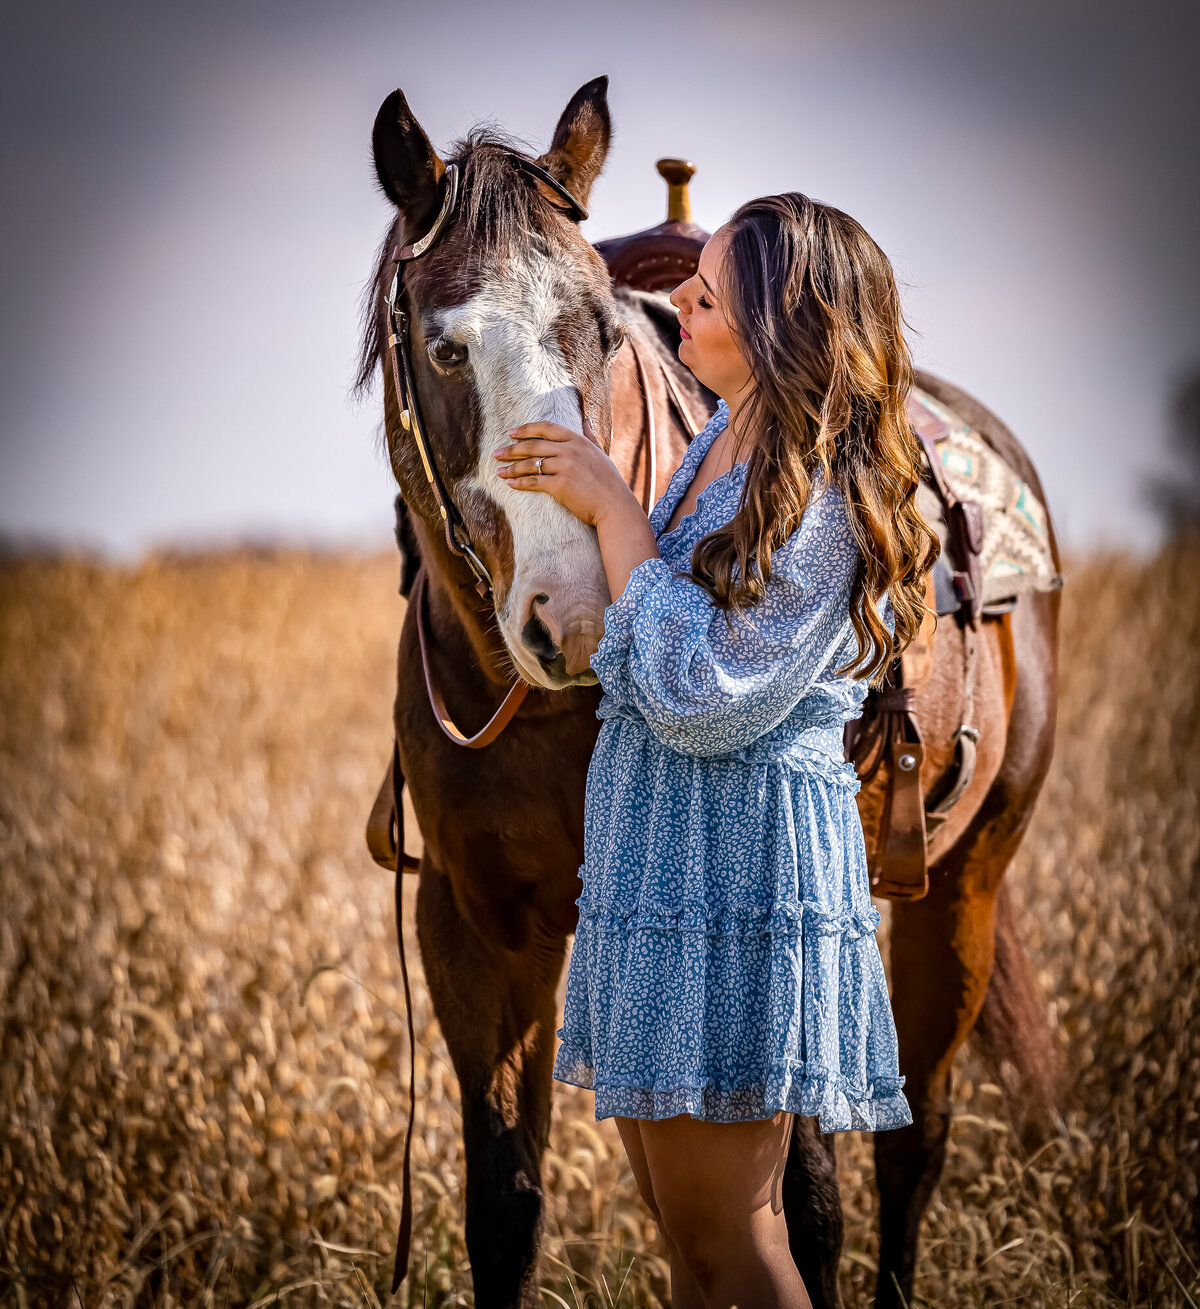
column 725, row 962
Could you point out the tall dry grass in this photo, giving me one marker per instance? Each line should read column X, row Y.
column 202, row 1073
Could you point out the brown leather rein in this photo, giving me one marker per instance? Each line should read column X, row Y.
column 385, row 826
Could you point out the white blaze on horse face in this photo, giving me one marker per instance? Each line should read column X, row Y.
column 509, row 329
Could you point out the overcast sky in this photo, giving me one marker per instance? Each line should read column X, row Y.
column 190, row 216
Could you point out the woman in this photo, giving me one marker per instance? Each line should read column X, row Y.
column 725, row 974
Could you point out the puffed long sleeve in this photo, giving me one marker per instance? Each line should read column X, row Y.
column 702, row 689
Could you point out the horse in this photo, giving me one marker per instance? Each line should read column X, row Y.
column 487, row 308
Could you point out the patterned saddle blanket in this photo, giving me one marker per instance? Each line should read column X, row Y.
column 1015, row 559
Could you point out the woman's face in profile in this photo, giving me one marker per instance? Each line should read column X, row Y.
column 709, row 344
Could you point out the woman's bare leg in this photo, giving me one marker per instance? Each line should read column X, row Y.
column 685, row 1294
column 719, row 1192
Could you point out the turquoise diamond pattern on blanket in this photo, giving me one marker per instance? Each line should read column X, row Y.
column 725, row 963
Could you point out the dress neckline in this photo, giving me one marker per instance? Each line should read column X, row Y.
column 693, row 457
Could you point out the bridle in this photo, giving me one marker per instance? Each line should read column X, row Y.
column 458, row 537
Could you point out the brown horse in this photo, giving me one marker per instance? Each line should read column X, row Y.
column 514, row 318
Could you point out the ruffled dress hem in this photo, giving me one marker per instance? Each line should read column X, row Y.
column 813, row 1092
column 779, row 942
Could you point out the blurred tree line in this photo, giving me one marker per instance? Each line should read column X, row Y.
column 1177, row 495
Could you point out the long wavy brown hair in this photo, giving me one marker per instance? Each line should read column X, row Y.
column 813, row 302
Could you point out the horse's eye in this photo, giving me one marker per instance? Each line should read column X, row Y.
column 618, row 341
column 445, row 353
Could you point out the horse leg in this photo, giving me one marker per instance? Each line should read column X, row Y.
column 813, row 1206
column 497, row 1014
column 941, row 950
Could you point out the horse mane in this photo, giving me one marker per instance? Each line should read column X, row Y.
column 498, row 211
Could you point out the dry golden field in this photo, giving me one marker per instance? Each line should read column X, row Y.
column 202, row 1075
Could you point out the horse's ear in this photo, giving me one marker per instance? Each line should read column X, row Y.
column 580, row 145
column 407, row 166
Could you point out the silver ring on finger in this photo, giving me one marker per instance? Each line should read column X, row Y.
column 539, row 465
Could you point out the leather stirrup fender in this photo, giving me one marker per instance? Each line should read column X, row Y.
column 900, row 866
column 904, row 869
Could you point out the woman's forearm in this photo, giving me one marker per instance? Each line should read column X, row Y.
column 626, row 540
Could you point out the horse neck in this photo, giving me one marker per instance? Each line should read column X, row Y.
column 631, row 407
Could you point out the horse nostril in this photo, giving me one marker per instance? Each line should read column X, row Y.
column 536, row 635
column 560, row 633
